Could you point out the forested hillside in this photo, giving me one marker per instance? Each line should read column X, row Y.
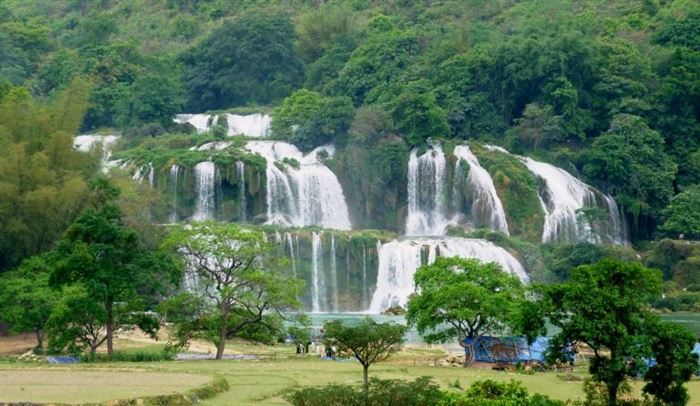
column 608, row 90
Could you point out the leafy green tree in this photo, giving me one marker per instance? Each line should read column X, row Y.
column 77, row 322
column 259, row 66
column 537, row 127
column 321, row 29
column 44, row 184
column 629, row 161
column 378, row 62
column 604, row 306
column 463, row 299
column 675, row 363
column 682, row 215
column 26, row 299
column 369, row 342
column 308, row 119
column 150, row 98
column 417, row 114
column 238, row 286
column 111, row 267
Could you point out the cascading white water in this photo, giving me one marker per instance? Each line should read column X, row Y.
column 174, row 172
column 242, row 204
column 205, row 183
column 365, row 293
column 301, row 195
column 201, row 122
column 86, row 142
column 318, row 286
column 334, row 275
column 292, row 256
column 250, row 125
column 486, row 206
column 399, row 260
column 562, row 197
column 616, row 228
column 151, row 175
column 426, row 200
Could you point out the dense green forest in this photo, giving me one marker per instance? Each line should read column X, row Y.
column 605, row 89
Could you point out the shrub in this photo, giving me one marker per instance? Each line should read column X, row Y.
column 421, row 392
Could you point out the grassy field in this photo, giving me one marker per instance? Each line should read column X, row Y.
column 252, row 382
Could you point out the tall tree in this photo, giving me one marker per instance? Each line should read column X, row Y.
column 674, row 363
column 604, row 305
column 463, row 299
column 259, row 66
column 369, row 342
column 682, row 215
column 237, row 283
column 629, row 161
column 110, row 265
column 44, row 185
column 27, row 300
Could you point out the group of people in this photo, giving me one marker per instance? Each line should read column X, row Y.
column 316, row 346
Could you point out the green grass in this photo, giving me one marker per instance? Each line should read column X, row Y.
column 251, row 382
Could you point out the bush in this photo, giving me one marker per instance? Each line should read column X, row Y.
column 165, row 354
column 421, row 392
column 492, row 393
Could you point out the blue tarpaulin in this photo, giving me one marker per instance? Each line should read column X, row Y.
column 509, row 349
column 62, row 360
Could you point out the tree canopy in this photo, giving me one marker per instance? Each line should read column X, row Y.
column 237, row 287
column 463, row 299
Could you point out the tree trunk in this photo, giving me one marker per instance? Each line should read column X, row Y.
column 39, row 339
column 468, row 350
column 109, row 306
column 365, row 381
column 612, row 393
column 222, row 343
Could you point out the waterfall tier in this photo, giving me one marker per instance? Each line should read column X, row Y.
column 399, row 260
column 301, row 190
column 440, row 195
column 86, row 142
column 206, row 184
column 251, row 125
column 564, row 200
column 486, row 207
column 426, row 198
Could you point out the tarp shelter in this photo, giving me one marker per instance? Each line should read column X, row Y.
column 509, row 349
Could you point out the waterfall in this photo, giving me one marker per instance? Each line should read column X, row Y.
column 334, row 275
column 301, row 190
column 426, row 200
column 290, row 245
column 562, row 197
column 205, row 183
column 365, row 292
column 250, row 125
column 86, row 142
column 151, row 176
column 174, row 171
column 486, row 206
column 318, row 286
column 201, row 122
column 617, row 229
column 399, row 260
column 242, row 204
